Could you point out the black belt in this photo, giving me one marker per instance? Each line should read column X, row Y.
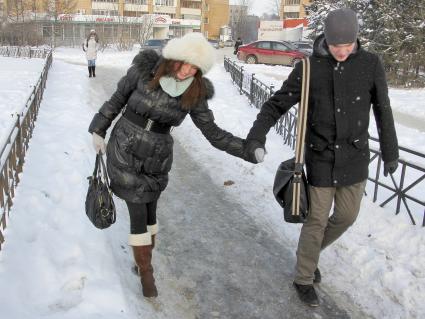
column 145, row 123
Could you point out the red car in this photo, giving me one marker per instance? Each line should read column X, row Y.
column 270, row 52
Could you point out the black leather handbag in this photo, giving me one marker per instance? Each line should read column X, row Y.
column 290, row 185
column 100, row 207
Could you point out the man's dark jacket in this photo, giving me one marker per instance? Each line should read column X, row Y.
column 341, row 94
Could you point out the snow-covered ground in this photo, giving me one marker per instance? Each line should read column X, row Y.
column 54, row 264
column 17, row 80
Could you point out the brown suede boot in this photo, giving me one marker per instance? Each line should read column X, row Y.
column 143, row 259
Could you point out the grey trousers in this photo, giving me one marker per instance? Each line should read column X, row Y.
column 320, row 230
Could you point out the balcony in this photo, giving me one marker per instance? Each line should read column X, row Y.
column 188, row 11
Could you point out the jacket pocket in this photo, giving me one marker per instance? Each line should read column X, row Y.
column 317, row 143
column 117, row 150
column 154, row 152
column 362, row 141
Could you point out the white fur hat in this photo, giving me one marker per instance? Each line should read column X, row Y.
column 192, row 48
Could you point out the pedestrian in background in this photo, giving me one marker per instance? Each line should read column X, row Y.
column 158, row 93
column 238, row 43
column 91, row 46
column 345, row 82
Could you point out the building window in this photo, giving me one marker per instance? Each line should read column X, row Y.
column 111, row 1
column 291, row 2
column 139, row 2
column 190, row 4
column 104, row 12
column 287, row 15
column 191, row 17
column 134, row 13
column 206, row 20
column 166, row 3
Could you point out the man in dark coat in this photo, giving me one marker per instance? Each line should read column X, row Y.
column 238, row 43
column 345, row 81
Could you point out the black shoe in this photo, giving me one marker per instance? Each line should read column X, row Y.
column 307, row 294
column 317, row 276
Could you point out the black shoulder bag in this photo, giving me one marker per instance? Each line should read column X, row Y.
column 290, row 185
column 100, row 207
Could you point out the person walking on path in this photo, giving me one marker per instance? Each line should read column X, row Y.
column 238, row 43
column 156, row 94
column 345, row 81
column 91, row 46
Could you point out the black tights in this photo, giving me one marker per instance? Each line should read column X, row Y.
column 141, row 215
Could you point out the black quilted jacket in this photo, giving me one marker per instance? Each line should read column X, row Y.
column 138, row 161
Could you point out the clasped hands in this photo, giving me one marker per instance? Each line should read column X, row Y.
column 253, row 151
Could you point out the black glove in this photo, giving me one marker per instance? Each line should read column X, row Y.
column 252, row 151
column 390, row 167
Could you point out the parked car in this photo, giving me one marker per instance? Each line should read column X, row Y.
column 304, row 46
column 214, row 43
column 228, row 43
column 154, row 44
column 270, row 52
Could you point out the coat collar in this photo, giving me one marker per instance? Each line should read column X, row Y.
column 321, row 49
column 148, row 61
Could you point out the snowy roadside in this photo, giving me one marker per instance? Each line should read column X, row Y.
column 18, row 77
column 378, row 263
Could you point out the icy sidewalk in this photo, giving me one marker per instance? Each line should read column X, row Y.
column 18, row 77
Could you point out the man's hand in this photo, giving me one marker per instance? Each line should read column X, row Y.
column 390, row 167
column 254, row 151
column 99, row 144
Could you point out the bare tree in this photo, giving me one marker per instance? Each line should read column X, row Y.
column 146, row 29
column 240, row 18
column 54, row 8
column 16, row 10
column 275, row 7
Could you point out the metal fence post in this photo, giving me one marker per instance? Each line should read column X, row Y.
column 241, row 82
column 251, row 88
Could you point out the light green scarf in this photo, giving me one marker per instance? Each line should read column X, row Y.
column 174, row 87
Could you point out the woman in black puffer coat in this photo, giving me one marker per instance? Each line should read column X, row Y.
column 156, row 94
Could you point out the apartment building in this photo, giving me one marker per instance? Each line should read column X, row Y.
column 118, row 19
column 206, row 16
column 293, row 8
column 215, row 15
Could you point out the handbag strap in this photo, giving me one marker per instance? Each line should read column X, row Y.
column 302, row 116
column 301, row 130
column 100, row 169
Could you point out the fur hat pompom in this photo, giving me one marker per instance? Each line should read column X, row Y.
column 192, row 48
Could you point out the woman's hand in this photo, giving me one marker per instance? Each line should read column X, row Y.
column 254, row 151
column 99, row 143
